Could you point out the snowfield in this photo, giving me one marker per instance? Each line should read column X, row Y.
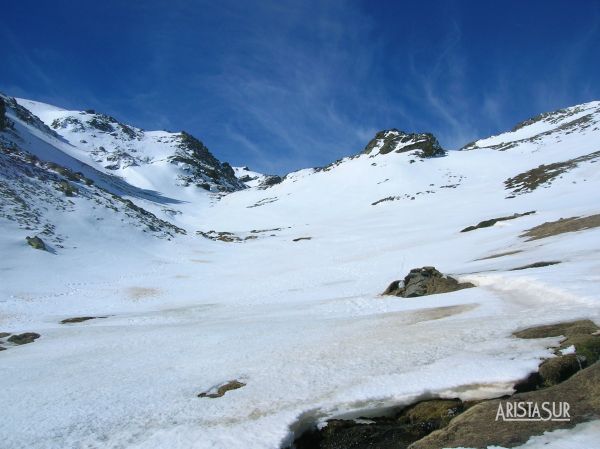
column 300, row 322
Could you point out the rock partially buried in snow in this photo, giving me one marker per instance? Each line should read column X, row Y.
column 80, row 319
column 36, row 243
column 220, row 391
column 425, row 281
column 22, row 339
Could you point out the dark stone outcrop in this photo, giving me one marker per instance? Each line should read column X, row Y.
column 202, row 166
column 424, row 281
column 36, row 242
column 23, row 339
column 493, row 221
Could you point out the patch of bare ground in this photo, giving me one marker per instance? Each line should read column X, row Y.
column 80, row 319
column 536, row 265
column 543, row 175
column 561, row 226
column 507, row 253
column 493, row 221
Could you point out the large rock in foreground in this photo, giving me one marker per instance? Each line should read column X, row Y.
column 424, row 281
column 479, row 426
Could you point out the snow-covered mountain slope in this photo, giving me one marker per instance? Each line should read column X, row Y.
column 143, row 158
column 280, row 288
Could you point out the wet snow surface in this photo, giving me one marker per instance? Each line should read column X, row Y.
column 300, row 323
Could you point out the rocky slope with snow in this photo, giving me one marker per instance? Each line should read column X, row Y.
column 183, row 303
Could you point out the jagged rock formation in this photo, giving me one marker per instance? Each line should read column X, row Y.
column 392, row 140
column 424, row 281
column 201, row 166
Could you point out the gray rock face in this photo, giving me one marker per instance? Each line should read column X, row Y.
column 424, row 281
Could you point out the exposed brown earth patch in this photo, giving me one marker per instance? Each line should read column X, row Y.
column 562, row 226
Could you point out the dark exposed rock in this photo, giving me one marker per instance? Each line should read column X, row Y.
column 4, row 334
column 556, row 370
column 536, row 265
column 301, row 238
column 270, row 181
column 222, row 389
column 394, row 140
column 80, row 319
column 67, row 188
column 22, row 339
column 424, row 281
column 493, row 221
column 389, row 432
column 36, row 242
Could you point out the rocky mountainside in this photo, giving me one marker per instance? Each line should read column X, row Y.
column 114, row 146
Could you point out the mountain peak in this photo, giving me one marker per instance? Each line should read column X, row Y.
column 394, row 140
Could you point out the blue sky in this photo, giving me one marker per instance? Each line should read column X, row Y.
column 280, row 85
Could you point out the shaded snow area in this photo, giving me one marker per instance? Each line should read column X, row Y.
column 276, row 288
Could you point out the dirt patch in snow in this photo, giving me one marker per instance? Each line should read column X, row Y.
column 562, row 226
column 137, row 293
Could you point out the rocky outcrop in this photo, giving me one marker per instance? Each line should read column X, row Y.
column 452, row 423
column 424, row 281
column 393, row 140
column 23, row 339
column 493, row 221
column 36, row 243
column 202, row 167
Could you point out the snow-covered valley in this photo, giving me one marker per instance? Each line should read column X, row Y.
column 201, row 277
